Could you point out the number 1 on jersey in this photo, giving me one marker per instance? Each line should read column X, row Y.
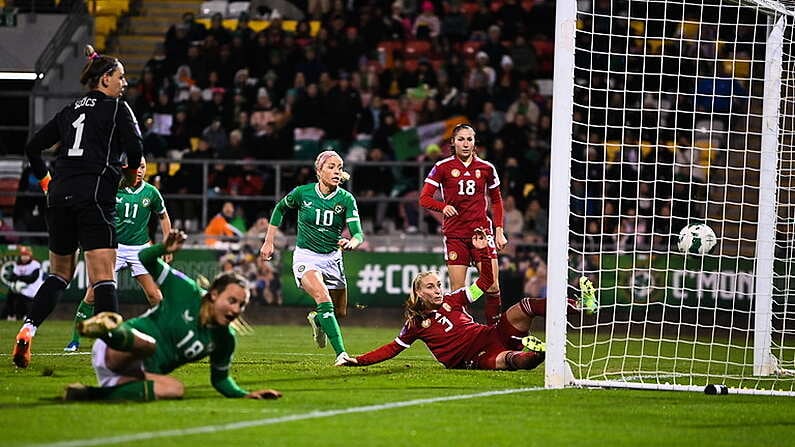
column 76, row 150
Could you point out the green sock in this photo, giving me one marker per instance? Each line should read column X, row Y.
column 121, row 338
column 328, row 321
column 140, row 390
column 84, row 311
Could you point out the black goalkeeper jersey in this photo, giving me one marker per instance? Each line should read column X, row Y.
column 97, row 135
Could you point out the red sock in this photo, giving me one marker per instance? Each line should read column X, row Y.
column 538, row 306
column 493, row 307
column 533, row 306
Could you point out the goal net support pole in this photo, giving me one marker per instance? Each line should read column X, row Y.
column 677, row 103
column 556, row 369
column 763, row 359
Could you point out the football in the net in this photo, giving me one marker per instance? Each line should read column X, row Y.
column 697, row 239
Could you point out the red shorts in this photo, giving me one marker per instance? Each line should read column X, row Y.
column 499, row 337
column 462, row 252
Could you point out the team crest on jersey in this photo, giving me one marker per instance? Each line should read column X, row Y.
column 338, row 209
column 426, row 323
column 452, row 255
column 446, row 307
column 455, row 173
column 145, row 202
column 477, row 173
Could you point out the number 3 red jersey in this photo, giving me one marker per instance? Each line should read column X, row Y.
column 466, row 188
column 449, row 331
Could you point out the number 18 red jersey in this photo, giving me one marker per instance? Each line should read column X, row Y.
column 466, row 188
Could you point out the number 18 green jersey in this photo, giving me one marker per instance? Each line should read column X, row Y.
column 176, row 327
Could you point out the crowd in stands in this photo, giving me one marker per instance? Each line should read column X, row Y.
column 371, row 70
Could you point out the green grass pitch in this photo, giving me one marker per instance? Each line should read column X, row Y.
column 410, row 400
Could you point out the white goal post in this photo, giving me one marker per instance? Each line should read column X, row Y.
column 669, row 113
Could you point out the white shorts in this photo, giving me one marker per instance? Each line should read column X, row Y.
column 106, row 377
column 127, row 257
column 329, row 265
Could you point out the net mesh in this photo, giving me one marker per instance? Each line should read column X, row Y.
column 667, row 132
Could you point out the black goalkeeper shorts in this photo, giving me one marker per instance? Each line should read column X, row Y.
column 86, row 225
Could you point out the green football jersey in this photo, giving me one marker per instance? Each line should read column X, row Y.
column 133, row 209
column 175, row 326
column 321, row 219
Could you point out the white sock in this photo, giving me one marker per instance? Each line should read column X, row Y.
column 31, row 327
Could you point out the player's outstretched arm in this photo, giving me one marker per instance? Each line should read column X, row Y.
column 386, row 352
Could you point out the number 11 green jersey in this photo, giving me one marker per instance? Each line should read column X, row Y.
column 134, row 206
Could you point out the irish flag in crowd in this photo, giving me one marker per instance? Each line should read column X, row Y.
column 411, row 142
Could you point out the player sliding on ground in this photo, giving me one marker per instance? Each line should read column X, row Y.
column 443, row 323
column 132, row 358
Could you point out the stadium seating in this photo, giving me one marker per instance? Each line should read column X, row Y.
column 259, row 25
column 415, row 49
column 10, row 171
column 470, row 48
column 387, row 50
column 110, row 7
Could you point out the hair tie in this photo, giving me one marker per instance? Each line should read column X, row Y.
column 93, row 56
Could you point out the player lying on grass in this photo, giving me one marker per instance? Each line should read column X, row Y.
column 132, row 358
column 443, row 323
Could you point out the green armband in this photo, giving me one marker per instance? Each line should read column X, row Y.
column 475, row 292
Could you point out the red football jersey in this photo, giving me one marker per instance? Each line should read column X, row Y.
column 448, row 331
column 466, row 188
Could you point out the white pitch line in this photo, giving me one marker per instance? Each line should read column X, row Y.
column 144, row 436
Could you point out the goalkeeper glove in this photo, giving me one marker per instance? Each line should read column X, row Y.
column 45, row 183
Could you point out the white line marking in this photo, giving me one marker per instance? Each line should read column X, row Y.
column 277, row 420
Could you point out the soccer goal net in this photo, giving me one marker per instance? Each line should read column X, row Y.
column 667, row 114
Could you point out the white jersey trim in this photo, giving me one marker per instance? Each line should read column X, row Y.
column 401, row 342
column 320, row 194
column 163, row 274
